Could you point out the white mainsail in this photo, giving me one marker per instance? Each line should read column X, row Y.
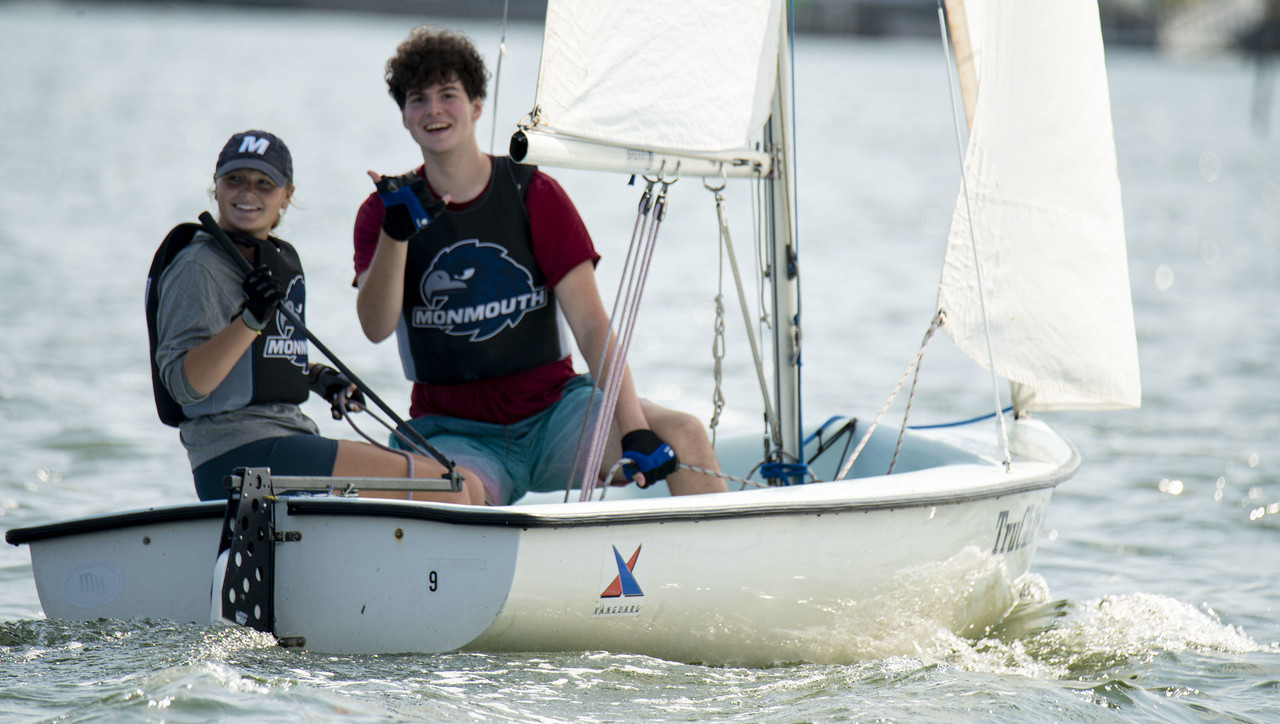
column 1044, row 197
column 691, row 77
column 694, row 76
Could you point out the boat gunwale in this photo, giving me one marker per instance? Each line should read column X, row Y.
column 510, row 517
column 567, row 515
column 116, row 521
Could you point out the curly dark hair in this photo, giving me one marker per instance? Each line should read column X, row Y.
column 434, row 55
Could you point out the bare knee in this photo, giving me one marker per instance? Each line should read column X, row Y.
column 686, row 435
column 688, row 438
column 471, row 492
column 393, row 464
column 473, row 487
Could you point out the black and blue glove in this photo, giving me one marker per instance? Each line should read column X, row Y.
column 262, row 294
column 330, row 384
column 406, row 200
column 650, row 457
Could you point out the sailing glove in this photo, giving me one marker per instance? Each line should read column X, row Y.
column 331, row 384
column 649, row 456
column 262, row 295
column 406, row 201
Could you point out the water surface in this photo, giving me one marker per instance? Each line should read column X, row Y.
column 1157, row 586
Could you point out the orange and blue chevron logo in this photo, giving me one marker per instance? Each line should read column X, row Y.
column 625, row 584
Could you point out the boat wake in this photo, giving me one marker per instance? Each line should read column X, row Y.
column 1097, row 639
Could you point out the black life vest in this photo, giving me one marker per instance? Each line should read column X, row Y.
column 476, row 304
column 274, row 369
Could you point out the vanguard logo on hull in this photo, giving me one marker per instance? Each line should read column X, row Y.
column 473, row 289
column 290, row 344
column 623, row 595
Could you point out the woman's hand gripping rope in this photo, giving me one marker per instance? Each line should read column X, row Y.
column 337, row 389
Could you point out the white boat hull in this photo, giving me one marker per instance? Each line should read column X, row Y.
column 834, row 571
column 814, row 586
column 142, row 564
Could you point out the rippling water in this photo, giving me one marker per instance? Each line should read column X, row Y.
column 1157, row 580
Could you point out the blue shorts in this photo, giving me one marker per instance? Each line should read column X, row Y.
column 536, row 454
column 308, row 455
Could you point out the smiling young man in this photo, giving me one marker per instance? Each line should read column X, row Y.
column 473, row 294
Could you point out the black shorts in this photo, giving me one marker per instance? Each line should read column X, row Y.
column 305, row 455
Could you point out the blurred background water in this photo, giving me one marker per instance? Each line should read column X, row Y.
column 1158, row 570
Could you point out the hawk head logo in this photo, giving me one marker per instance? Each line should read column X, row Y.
column 476, row 290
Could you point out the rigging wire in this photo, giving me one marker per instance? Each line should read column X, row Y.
column 763, row 272
column 973, row 240
column 589, row 434
column 726, row 249
column 630, row 293
column 497, row 77
column 618, row 365
column 938, row 321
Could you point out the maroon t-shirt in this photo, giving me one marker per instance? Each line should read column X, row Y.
column 560, row 243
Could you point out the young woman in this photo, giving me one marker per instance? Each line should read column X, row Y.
column 230, row 371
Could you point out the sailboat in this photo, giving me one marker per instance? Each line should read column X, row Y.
column 817, row 553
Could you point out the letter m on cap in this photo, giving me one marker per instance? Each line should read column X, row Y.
column 254, row 144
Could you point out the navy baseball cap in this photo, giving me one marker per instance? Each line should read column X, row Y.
column 260, row 151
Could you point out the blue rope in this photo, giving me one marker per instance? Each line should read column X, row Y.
column 787, row 473
column 835, row 418
column 822, row 428
column 979, row 418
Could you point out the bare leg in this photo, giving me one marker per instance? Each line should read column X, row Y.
column 360, row 459
column 686, row 435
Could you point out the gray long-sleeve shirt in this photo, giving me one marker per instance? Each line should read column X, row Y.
column 199, row 293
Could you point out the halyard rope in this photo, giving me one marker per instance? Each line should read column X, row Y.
column 497, row 76
column 626, row 306
column 616, row 366
column 717, row 341
column 717, row 364
column 911, row 394
column 587, row 432
column 938, row 320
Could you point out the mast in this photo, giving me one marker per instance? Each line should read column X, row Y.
column 958, row 24
column 781, row 239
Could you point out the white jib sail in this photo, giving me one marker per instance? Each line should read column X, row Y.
column 1045, row 199
column 678, row 76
